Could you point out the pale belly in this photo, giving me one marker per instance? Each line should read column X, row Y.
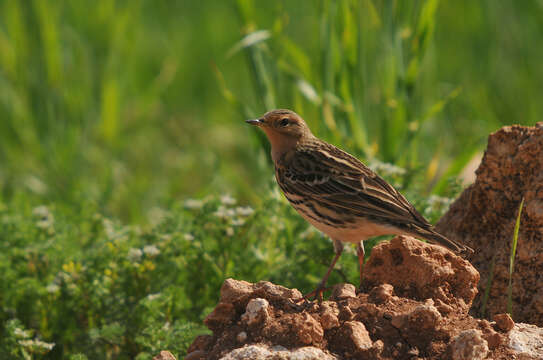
column 354, row 232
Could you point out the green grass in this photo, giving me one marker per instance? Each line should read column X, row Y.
column 514, row 242
column 113, row 113
column 118, row 102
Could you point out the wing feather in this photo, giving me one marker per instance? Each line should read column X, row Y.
column 338, row 180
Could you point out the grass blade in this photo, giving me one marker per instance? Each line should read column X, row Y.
column 512, row 260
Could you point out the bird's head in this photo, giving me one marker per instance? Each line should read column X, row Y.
column 284, row 129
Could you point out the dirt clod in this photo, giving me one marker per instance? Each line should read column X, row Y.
column 343, row 291
column 381, row 293
column 504, row 322
column 425, row 271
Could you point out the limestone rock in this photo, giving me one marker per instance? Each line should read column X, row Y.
column 469, row 345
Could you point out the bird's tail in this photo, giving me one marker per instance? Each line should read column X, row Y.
column 435, row 237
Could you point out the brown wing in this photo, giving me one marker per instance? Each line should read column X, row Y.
column 339, row 181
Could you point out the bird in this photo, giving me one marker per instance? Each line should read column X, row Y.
column 337, row 194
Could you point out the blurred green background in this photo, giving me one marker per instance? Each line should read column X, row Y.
column 122, row 101
column 115, row 112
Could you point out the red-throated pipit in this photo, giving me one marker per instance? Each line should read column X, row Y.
column 336, row 193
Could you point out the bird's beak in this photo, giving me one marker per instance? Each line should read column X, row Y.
column 255, row 122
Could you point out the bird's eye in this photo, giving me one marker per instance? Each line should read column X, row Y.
column 284, row 122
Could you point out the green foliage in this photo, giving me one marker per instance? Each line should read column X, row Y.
column 114, row 290
column 116, row 102
column 87, row 284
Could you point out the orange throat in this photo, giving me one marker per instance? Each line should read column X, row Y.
column 280, row 144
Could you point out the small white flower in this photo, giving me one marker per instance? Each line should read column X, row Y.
column 193, row 204
column 156, row 215
column 36, row 344
column 224, row 213
column 229, row 232
column 134, row 254
column 152, row 297
column 109, row 229
column 237, row 222
column 35, row 185
column 228, row 200
column 386, row 168
column 45, row 218
column 52, row 288
column 20, row 333
column 41, row 211
column 244, row 211
column 188, row 237
column 151, row 250
column 44, row 224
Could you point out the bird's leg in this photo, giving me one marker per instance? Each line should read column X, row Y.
column 338, row 248
column 361, row 253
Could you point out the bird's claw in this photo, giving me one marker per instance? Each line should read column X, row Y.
column 316, row 294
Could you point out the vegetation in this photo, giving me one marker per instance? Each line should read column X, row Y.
column 122, row 130
column 514, row 242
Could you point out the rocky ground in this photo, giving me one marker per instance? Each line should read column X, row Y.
column 484, row 216
column 419, row 301
column 415, row 306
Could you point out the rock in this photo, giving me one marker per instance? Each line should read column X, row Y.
column 345, row 313
column 361, row 327
column 492, row 338
column 164, row 355
column 220, row 316
column 196, row 355
column 381, row 293
column 503, row 322
column 242, row 336
column 484, row 216
column 469, row 345
column 343, row 291
column 329, row 315
column 310, row 331
column 527, row 339
column 424, row 317
column 353, row 338
column 398, row 320
column 201, row 342
column 234, row 290
column 358, row 335
column 272, row 291
column 256, row 312
column 263, row 352
column 419, row 271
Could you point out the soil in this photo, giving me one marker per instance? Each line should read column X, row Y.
column 484, row 217
column 414, row 306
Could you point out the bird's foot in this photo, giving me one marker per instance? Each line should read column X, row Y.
column 317, row 293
